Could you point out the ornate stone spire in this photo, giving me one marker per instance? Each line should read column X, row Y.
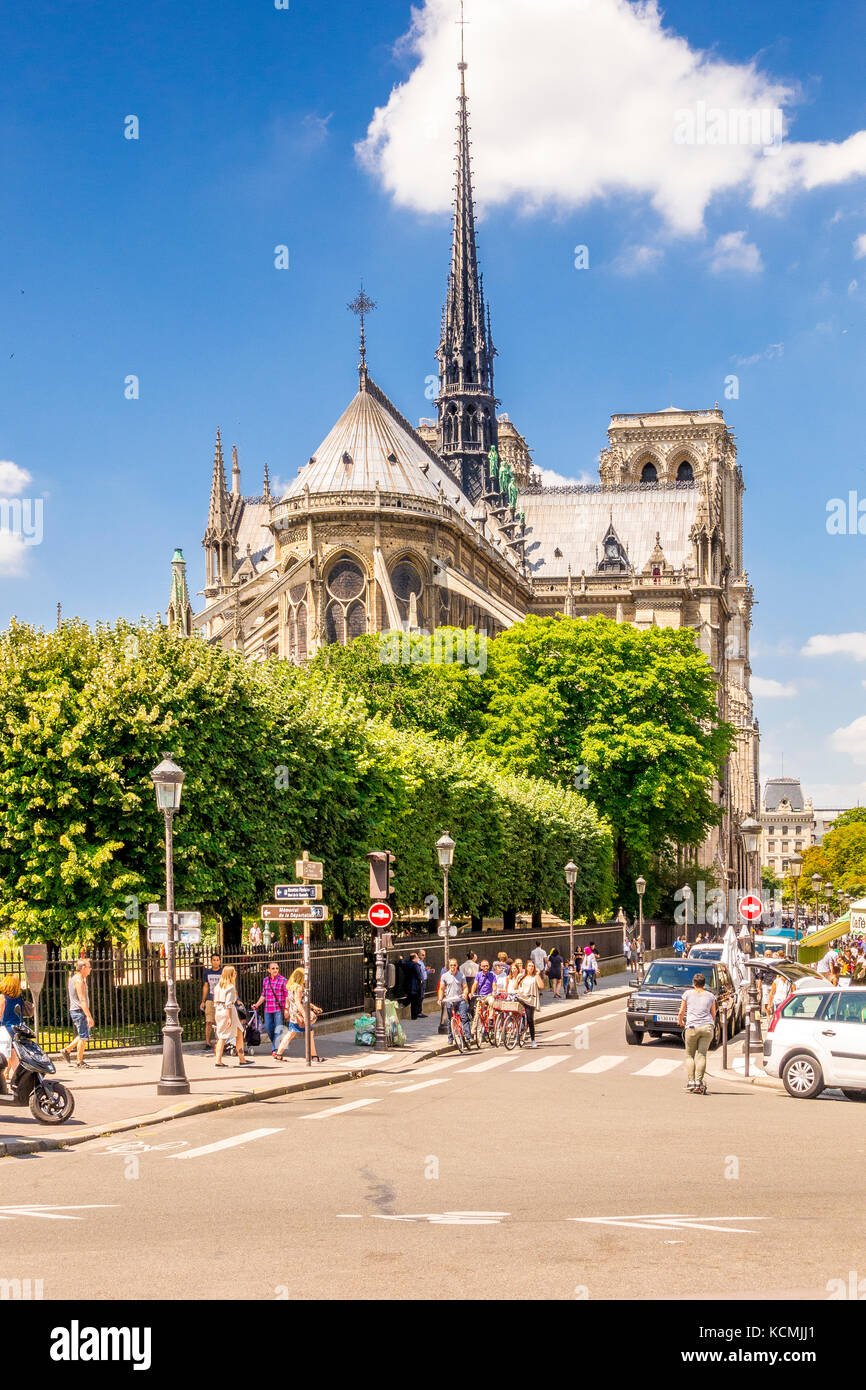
column 218, row 538
column 466, row 400
column 362, row 305
column 179, row 606
column 236, row 472
column 266, row 490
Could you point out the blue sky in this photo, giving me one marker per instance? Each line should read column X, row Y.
column 155, row 257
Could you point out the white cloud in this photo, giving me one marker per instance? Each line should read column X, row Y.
column 13, row 554
column 852, row 287
column 733, row 252
column 628, row 109
column 634, row 260
column 772, row 690
column 13, row 479
column 860, row 247
column 840, row 644
column 851, row 740
column 550, row 478
column 769, row 353
column 831, row 795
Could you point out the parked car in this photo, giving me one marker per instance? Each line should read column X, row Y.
column 654, row 1006
column 817, row 1039
column 708, row 950
column 771, row 945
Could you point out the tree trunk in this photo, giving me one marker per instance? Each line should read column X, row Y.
column 536, row 919
column 477, row 922
column 232, row 932
column 339, row 926
column 509, row 919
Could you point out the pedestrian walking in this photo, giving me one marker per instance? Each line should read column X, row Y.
column 540, row 958
column 554, row 972
column 296, row 1018
column 255, row 937
column 227, row 1018
column 470, row 967
column 589, row 967
column 417, row 984
column 273, row 997
column 12, row 1009
column 79, row 1012
column 210, row 980
column 698, row 1016
column 530, row 997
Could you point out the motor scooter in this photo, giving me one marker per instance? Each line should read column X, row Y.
column 50, row 1101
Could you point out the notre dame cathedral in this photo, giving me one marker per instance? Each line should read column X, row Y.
column 389, row 526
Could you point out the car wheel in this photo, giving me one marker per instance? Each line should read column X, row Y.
column 717, row 1035
column 854, row 1095
column 802, row 1077
column 632, row 1038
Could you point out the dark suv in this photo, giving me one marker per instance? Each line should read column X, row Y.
column 654, row 1006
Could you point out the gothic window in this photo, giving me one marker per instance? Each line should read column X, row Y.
column 471, row 425
column 649, row 474
column 685, row 472
column 301, row 632
column 406, row 581
column 346, row 614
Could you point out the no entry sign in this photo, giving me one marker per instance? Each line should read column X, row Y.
column 380, row 915
column 751, row 907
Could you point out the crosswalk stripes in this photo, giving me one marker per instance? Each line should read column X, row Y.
column 341, row 1109
column 541, row 1064
column 662, row 1066
column 599, row 1064
column 227, row 1143
column 421, row 1085
column 487, row 1066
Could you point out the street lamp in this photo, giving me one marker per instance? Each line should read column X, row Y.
column 640, row 885
column 795, row 868
column 816, row 888
column 571, row 880
column 750, row 829
column 168, row 781
column 445, row 850
column 828, row 893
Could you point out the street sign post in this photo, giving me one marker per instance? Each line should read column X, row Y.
column 297, row 892
column 294, row 912
column 35, row 965
column 751, row 907
column 441, row 930
column 308, row 1048
column 309, row 869
column 157, row 936
column 380, row 915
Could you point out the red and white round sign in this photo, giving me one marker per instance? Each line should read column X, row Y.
column 751, row 907
column 380, row 915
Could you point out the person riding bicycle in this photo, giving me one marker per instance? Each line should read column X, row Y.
column 454, row 993
column 482, row 990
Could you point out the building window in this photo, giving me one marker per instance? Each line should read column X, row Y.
column 649, row 474
column 685, row 472
column 406, row 581
column 346, row 614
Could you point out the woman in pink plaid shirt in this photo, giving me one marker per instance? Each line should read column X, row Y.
column 273, row 996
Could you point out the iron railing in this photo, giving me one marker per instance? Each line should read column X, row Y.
column 127, row 990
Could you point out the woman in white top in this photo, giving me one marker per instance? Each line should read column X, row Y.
column 529, row 995
column 228, row 1023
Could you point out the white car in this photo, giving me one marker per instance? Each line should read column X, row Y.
column 817, row 1039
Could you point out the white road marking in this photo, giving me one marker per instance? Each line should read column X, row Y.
column 228, row 1143
column 541, row 1064
column 552, row 1037
column 341, row 1109
column 51, row 1213
column 440, row 1066
column 352, row 1216
column 450, row 1218
column 422, row 1085
column 672, row 1223
column 488, row 1065
column 661, row 1067
column 599, row 1064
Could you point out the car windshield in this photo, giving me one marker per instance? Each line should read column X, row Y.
column 706, row 953
column 678, row 974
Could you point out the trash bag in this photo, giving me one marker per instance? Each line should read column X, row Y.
column 394, row 1030
column 365, row 1031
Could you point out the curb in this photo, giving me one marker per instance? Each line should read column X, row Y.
column 18, row 1147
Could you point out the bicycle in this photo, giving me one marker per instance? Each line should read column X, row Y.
column 458, row 1037
column 485, row 1027
column 512, row 1029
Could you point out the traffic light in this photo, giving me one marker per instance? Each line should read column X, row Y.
column 381, row 863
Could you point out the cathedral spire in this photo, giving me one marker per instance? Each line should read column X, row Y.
column 466, row 400
column 218, row 540
column 236, row 472
column 266, row 491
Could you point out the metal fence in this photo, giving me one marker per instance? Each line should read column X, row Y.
column 127, row 990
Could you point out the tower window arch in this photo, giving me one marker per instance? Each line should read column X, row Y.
column 649, row 473
column 346, row 613
column 685, row 472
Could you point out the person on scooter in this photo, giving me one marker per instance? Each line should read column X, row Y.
column 11, row 1012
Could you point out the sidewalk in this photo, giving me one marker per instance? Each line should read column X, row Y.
column 119, row 1091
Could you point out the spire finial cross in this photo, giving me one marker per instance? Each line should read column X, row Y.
column 461, row 22
column 362, row 305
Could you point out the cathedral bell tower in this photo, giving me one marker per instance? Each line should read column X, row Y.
column 466, row 403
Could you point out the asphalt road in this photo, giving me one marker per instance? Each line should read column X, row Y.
column 580, row 1169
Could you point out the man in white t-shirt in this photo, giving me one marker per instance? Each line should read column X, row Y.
column 541, row 961
column 828, row 964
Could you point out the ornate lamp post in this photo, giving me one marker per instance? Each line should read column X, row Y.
column 750, row 830
column 640, row 885
column 571, row 880
column 445, row 850
column 795, row 868
column 816, row 889
column 168, row 781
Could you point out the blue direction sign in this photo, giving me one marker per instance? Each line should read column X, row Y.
column 294, row 912
column 298, row 892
